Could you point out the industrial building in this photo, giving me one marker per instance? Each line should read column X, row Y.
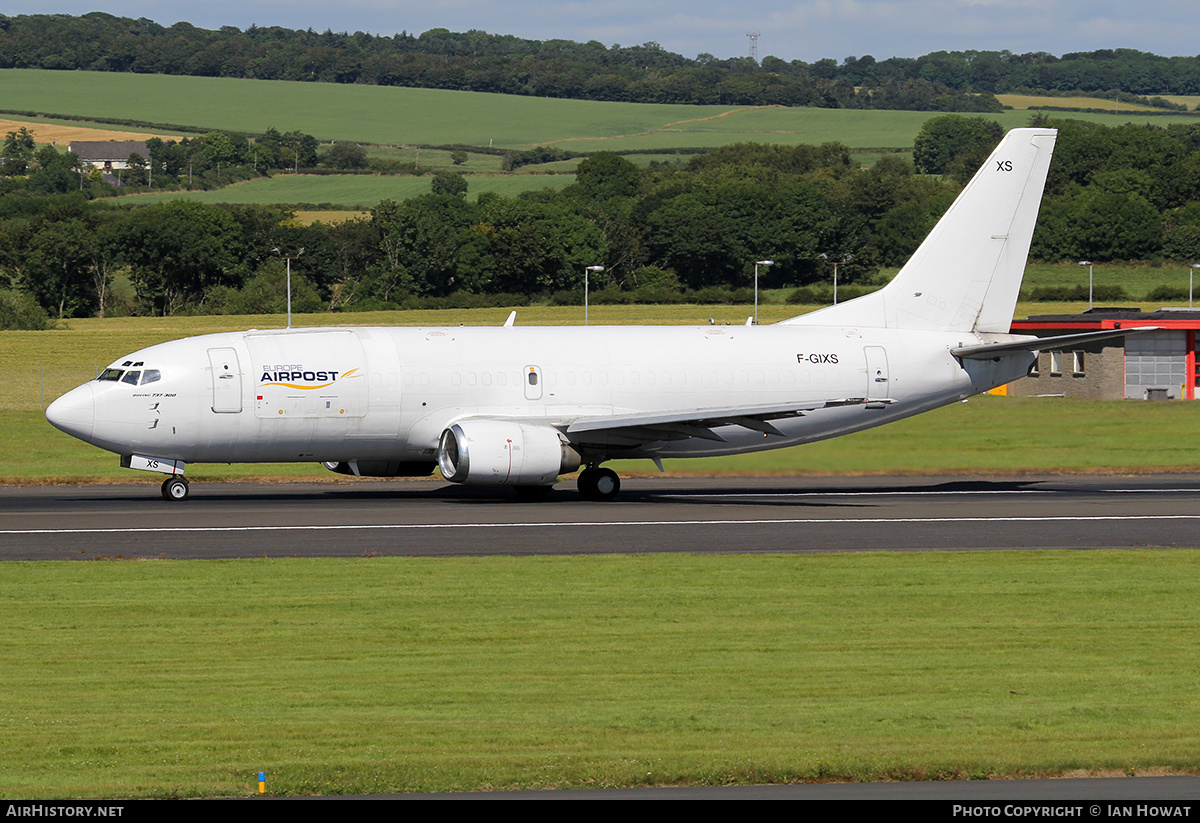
column 1157, row 365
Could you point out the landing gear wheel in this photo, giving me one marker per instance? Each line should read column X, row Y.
column 599, row 484
column 175, row 488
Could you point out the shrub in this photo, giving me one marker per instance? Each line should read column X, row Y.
column 20, row 311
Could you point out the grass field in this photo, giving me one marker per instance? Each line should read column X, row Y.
column 1030, row 101
column 72, row 352
column 62, row 132
column 999, row 435
column 1138, row 279
column 348, row 190
column 398, row 116
column 986, row 435
column 184, row 679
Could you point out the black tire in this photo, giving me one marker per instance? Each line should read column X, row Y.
column 599, row 484
column 606, row 484
column 175, row 488
column 586, row 482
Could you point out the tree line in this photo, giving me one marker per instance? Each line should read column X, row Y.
column 689, row 232
column 659, row 233
column 479, row 61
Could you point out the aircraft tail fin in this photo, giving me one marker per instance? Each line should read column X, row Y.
column 967, row 273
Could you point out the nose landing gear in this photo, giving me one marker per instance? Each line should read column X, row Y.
column 175, row 487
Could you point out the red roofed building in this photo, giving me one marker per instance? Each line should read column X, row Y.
column 1157, row 365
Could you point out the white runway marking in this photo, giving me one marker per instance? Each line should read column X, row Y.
column 917, row 493
column 604, row 524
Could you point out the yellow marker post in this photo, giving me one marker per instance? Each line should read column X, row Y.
column 262, row 782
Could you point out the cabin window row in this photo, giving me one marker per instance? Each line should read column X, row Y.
column 631, row 378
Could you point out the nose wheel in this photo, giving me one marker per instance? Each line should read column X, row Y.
column 175, row 487
column 599, row 484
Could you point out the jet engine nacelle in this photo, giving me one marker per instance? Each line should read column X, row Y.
column 500, row 453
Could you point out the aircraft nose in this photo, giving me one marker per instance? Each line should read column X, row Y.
column 74, row 412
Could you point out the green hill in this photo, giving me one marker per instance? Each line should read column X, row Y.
column 404, row 116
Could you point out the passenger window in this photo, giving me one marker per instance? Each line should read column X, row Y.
column 131, row 377
column 151, row 376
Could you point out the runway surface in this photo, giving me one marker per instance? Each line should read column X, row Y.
column 651, row 515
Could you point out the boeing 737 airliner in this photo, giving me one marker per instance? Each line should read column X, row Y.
column 513, row 406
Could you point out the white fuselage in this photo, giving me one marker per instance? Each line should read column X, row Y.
column 371, row 394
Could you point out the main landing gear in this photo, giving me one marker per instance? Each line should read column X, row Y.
column 598, row 484
column 175, row 487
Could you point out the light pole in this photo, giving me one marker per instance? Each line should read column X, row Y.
column 585, row 289
column 289, row 279
column 1090, row 266
column 758, row 263
column 835, row 263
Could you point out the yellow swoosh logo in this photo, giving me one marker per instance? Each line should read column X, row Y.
column 311, row 388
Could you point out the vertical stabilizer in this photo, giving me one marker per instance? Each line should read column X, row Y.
column 967, row 273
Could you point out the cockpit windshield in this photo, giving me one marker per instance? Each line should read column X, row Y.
column 133, row 377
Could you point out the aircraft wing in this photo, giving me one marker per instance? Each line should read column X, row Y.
column 647, row 427
column 986, row 351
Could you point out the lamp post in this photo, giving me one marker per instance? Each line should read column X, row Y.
column 585, row 289
column 289, row 260
column 835, row 263
column 1090, row 266
column 758, row 263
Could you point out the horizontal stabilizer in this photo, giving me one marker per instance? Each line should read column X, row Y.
column 988, row 350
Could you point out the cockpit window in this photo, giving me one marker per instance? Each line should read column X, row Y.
column 132, row 377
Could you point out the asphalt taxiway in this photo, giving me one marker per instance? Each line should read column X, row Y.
column 711, row 515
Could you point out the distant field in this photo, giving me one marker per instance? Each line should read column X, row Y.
column 400, row 117
column 1028, row 101
column 1189, row 100
column 1138, row 279
column 349, row 190
column 412, row 157
column 64, row 131
column 374, row 114
column 792, row 126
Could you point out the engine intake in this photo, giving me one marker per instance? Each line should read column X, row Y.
column 499, row 453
